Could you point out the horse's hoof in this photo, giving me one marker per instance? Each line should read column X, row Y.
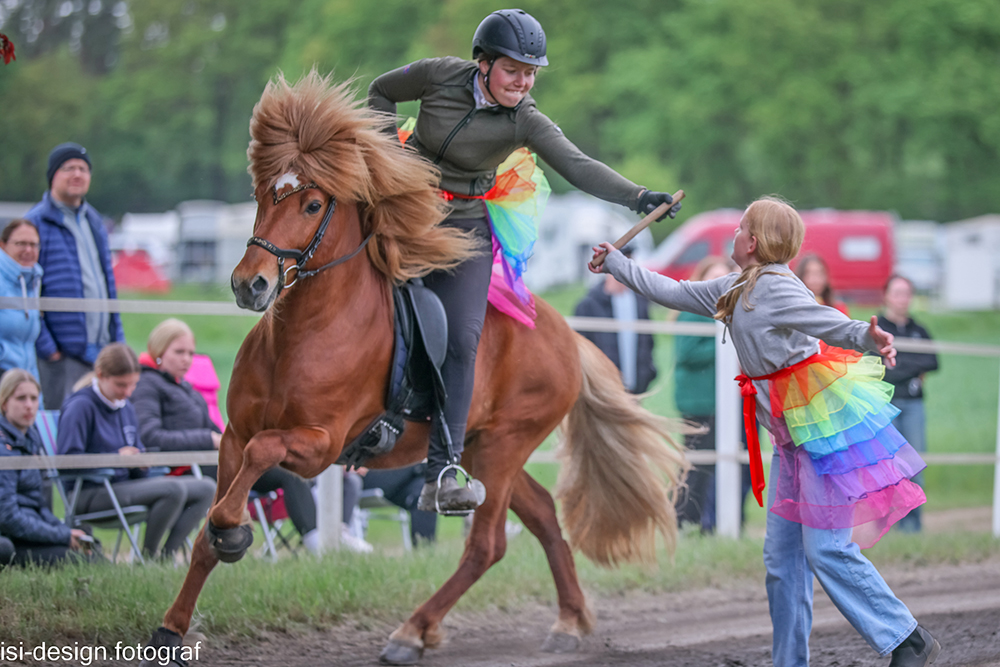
column 168, row 647
column 229, row 544
column 561, row 642
column 400, row 654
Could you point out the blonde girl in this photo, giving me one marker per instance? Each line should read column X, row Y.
column 840, row 476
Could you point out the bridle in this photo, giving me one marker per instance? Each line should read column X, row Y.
column 303, row 256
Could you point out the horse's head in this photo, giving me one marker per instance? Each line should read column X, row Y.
column 292, row 219
column 313, row 145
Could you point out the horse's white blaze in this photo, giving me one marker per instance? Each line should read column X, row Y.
column 287, row 180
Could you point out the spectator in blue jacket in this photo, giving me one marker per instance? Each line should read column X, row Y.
column 20, row 276
column 36, row 535
column 99, row 419
column 76, row 259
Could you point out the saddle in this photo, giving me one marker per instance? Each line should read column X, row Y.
column 416, row 389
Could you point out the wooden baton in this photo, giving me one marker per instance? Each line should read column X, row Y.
column 639, row 226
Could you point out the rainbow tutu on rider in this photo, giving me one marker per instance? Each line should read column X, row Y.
column 843, row 463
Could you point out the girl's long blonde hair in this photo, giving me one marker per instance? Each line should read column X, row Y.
column 779, row 231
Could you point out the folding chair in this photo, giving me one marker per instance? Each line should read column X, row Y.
column 125, row 519
column 374, row 499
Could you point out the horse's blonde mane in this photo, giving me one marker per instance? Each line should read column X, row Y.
column 321, row 132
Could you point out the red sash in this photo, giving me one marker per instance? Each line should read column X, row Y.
column 749, row 392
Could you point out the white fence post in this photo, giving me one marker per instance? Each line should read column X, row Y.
column 996, row 481
column 728, row 496
column 330, row 506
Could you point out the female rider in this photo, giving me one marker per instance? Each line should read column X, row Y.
column 473, row 115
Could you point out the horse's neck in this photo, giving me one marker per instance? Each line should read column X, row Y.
column 358, row 294
column 354, row 298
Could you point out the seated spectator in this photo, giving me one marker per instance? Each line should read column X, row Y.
column 401, row 486
column 174, row 416
column 814, row 273
column 100, row 419
column 630, row 351
column 20, row 276
column 32, row 532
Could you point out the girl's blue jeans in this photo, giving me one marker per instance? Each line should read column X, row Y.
column 793, row 554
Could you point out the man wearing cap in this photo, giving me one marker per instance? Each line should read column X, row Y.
column 77, row 262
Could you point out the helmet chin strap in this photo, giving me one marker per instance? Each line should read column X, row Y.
column 490, row 90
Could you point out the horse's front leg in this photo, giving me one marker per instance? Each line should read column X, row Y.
column 301, row 449
column 177, row 620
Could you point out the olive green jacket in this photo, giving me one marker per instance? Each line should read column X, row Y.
column 468, row 144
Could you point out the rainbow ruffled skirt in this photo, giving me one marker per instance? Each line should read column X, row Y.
column 843, row 463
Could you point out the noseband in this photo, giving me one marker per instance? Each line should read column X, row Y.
column 303, row 256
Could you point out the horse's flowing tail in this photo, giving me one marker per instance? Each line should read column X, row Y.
column 620, row 469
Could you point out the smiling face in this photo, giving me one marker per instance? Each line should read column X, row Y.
column 22, row 245
column 22, row 406
column 744, row 245
column 509, row 82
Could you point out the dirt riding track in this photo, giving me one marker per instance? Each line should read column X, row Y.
column 960, row 604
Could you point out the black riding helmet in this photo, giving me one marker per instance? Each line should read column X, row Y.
column 513, row 33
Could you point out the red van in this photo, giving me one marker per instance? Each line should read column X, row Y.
column 856, row 245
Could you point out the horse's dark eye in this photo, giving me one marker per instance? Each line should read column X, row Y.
column 313, row 207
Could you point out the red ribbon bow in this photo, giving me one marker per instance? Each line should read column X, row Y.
column 749, row 392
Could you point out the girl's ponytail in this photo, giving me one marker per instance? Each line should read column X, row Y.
column 743, row 286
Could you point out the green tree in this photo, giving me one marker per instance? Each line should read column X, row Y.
column 842, row 103
column 179, row 101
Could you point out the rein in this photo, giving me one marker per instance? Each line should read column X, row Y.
column 303, row 256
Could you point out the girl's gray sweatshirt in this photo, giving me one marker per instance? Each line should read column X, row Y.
column 784, row 327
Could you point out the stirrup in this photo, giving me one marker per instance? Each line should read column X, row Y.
column 475, row 485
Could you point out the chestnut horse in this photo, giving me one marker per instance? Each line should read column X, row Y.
column 313, row 373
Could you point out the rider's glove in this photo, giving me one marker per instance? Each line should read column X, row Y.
column 649, row 200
